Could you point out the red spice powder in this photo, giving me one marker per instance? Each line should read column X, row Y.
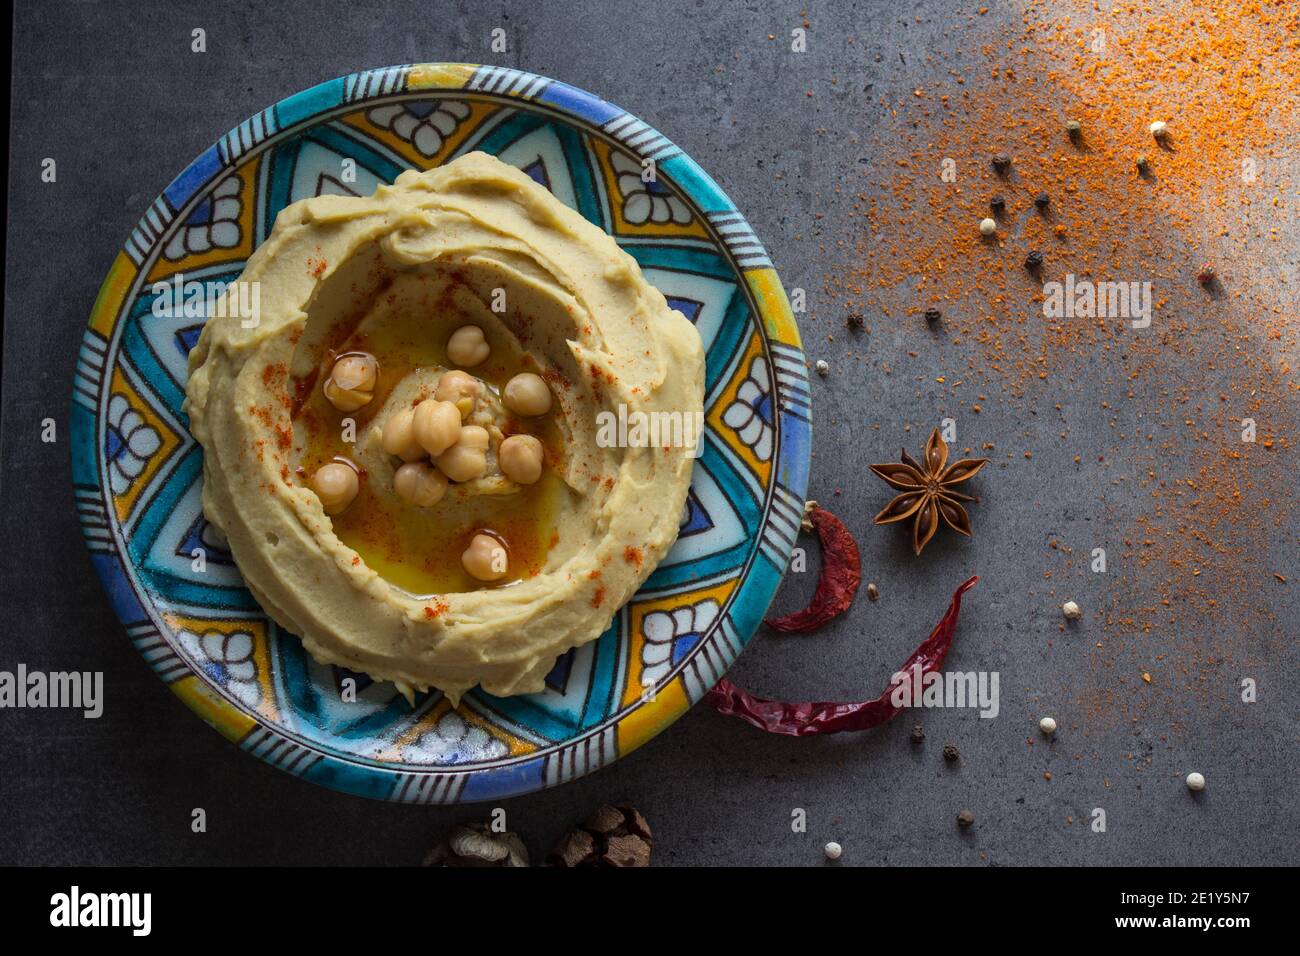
column 1202, row 515
column 273, row 373
column 263, row 414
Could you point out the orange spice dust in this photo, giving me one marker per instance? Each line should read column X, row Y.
column 1195, row 520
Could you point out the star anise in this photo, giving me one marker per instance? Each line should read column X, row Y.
column 928, row 491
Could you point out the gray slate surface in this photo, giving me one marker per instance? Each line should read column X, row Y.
column 112, row 91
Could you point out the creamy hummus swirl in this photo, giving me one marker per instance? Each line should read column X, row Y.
column 446, row 246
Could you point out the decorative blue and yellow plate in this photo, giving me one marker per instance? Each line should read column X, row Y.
column 137, row 471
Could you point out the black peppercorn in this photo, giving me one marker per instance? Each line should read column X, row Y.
column 933, row 315
column 918, row 734
column 998, row 203
column 965, row 819
column 856, row 320
column 1041, row 200
column 1002, row 162
column 1034, row 260
column 1143, row 165
column 950, row 753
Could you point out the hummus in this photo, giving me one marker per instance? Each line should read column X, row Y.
column 410, row 285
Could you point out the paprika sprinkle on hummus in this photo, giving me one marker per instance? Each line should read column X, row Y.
column 434, row 378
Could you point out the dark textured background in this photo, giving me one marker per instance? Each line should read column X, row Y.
column 114, row 94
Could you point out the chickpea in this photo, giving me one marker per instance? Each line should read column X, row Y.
column 399, row 436
column 527, row 394
column 486, row 558
column 352, row 382
column 335, row 484
column 420, row 483
column 436, row 425
column 468, row 346
column 520, row 457
column 459, row 388
column 467, row 459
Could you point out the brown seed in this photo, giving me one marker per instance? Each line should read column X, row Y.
column 576, row 848
column 873, row 593
column 603, row 820
column 951, row 753
column 610, row 836
column 965, row 819
column 918, row 734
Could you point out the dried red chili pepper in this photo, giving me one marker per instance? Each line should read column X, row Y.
column 830, row 717
column 840, row 575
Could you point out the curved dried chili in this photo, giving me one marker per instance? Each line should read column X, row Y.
column 837, row 584
column 829, row 717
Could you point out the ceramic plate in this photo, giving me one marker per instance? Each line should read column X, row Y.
column 137, row 471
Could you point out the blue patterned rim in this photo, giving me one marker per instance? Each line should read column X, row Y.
column 136, row 471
